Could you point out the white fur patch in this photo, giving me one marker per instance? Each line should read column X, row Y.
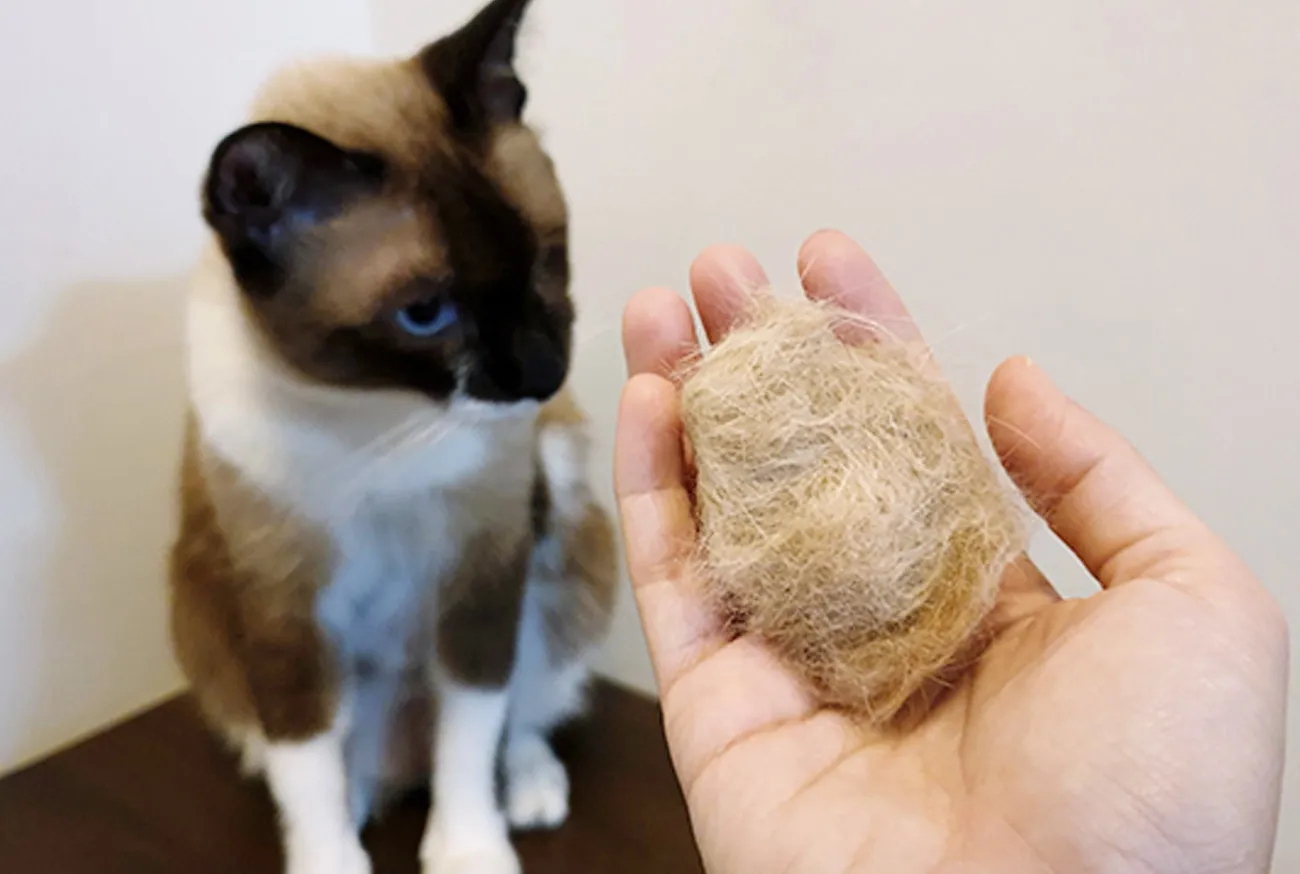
column 563, row 452
column 309, row 785
column 387, row 555
column 537, row 785
column 438, row 857
column 467, row 833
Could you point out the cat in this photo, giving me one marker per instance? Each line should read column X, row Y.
column 390, row 566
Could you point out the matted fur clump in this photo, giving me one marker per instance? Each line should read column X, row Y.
column 847, row 515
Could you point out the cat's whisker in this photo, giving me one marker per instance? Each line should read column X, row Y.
column 413, row 431
column 367, row 458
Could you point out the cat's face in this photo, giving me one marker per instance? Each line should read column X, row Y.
column 397, row 226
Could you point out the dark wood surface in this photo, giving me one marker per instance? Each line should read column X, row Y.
column 156, row 794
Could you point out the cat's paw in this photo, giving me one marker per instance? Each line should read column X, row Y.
column 537, row 785
column 327, row 857
column 438, row 855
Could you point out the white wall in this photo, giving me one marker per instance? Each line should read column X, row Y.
column 1110, row 187
column 109, row 111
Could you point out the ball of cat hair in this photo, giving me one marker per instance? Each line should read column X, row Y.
column 847, row 515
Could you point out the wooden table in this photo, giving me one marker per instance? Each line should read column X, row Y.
column 156, row 795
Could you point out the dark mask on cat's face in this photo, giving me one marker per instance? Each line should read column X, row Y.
column 397, row 226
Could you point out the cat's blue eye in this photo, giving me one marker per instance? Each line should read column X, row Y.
column 426, row 318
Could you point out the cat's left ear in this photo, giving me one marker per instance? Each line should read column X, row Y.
column 474, row 68
column 268, row 183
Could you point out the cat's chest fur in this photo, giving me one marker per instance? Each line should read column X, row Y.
column 383, row 583
column 394, row 558
column 394, row 486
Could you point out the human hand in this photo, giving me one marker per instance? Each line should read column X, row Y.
column 1140, row 729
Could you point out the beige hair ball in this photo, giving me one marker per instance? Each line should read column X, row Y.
column 847, row 515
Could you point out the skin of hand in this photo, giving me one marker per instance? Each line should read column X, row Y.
column 1141, row 729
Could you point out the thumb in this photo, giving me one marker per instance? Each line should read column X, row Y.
column 1090, row 485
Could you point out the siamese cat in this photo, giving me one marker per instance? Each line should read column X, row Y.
column 390, row 567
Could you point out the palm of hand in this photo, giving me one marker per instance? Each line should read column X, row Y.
column 1074, row 746
column 1136, row 730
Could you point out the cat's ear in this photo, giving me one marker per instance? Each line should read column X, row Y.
column 268, row 182
column 474, row 68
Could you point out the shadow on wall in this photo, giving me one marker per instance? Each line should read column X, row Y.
column 100, row 394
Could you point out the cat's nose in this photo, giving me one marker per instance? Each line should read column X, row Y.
column 543, row 364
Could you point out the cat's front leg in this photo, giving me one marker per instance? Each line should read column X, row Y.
column 309, row 784
column 305, row 717
column 467, row 831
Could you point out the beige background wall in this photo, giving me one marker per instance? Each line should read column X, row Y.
column 1111, row 188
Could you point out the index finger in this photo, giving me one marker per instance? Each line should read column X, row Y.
column 659, row 528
